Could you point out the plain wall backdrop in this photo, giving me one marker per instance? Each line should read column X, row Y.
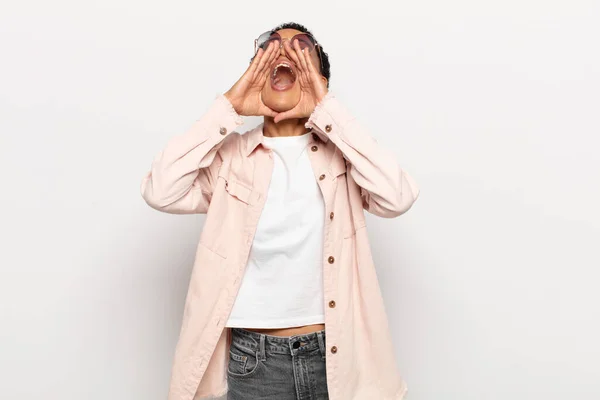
column 490, row 280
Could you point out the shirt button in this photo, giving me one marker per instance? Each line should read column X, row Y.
column 331, row 215
column 328, row 128
column 315, row 137
column 331, row 304
column 223, row 130
column 314, row 148
column 334, row 349
column 322, row 177
column 331, row 259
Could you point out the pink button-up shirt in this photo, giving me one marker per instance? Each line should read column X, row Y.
column 213, row 169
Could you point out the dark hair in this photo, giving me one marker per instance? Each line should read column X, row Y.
column 326, row 68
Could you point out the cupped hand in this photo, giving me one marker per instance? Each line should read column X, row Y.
column 313, row 86
column 245, row 94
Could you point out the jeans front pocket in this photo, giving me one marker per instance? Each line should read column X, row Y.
column 318, row 354
column 242, row 362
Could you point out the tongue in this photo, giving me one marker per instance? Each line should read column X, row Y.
column 283, row 78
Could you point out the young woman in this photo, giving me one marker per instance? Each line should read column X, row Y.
column 284, row 251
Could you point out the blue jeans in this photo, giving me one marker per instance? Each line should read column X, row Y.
column 270, row 367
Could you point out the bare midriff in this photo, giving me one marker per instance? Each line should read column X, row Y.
column 288, row 331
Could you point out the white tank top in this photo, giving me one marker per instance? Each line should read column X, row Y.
column 283, row 283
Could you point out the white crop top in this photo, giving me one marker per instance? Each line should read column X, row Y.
column 283, row 282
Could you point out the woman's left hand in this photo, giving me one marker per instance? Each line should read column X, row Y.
column 313, row 86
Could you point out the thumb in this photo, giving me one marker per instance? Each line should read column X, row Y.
column 283, row 115
column 264, row 110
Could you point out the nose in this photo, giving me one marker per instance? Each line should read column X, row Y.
column 282, row 50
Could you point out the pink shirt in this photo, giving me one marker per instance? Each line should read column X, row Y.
column 213, row 169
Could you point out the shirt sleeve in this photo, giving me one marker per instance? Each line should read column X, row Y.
column 387, row 190
column 182, row 176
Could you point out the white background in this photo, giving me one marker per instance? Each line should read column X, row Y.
column 490, row 280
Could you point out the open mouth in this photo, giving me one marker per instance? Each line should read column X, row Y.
column 283, row 76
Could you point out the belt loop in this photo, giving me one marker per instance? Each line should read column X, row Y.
column 263, row 355
column 321, row 339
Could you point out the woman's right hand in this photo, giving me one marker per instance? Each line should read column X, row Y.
column 245, row 94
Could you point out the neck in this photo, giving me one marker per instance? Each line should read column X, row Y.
column 287, row 127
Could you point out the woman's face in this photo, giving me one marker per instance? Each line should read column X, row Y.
column 282, row 89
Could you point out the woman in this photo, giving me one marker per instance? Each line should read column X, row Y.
column 284, row 251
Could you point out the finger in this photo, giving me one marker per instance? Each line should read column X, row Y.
column 264, row 110
column 311, row 65
column 268, row 66
column 303, row 79
column 301, row 56
column 254, row 64
column 264, row 74
column 281, row 116
column 292, row 53
column 265, row 56
column 271, row 56
column 307, row 79
column 272, row 59
column 263, row 60
column 318, row 81
column 293, row 113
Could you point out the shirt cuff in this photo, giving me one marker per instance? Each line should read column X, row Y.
column 224, row 116
column 329, row 117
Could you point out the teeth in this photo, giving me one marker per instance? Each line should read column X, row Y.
column 283, row 64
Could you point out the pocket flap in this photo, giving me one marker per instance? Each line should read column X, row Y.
column 353, row 227
column 240, row 191
column 338, row 164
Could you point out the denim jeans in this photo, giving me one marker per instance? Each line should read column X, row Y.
column 270, row 367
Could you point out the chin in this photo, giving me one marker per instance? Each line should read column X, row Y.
column 281, row 101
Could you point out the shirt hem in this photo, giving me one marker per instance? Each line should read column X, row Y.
column 286, row 323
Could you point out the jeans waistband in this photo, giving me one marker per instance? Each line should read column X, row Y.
column 291, row 345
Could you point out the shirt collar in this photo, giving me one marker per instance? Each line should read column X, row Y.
column 255, row 137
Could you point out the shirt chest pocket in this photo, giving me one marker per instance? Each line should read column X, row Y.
column 227, row 214
column 238, row 188
column 240, row 191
